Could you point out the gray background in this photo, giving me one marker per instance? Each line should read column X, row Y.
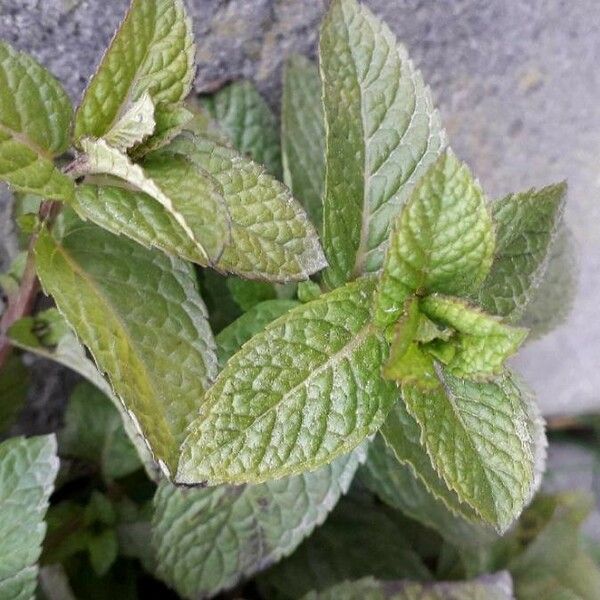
column 517, row 82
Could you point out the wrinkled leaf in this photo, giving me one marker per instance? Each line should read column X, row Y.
column 239, row 531
column 359, row 538
column 48, row 335
column 271, row 237
column 479, row 438
column 93, row 431
column 305, row 390
column 382, row 134
column 303, row 135
column 526, row 225
column 134, row 126
column 250, row 323
column 35, row 116
column 27, row 471
column 249, row 123
column 152, row 52
column 174, row 206
column 443, row 240
column 489, row 587
column 140, row 315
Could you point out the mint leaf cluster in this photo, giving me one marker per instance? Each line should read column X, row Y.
column 262, row 312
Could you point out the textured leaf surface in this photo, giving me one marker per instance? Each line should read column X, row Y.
column 402, row 434
column 271, row 237
column 249, row 123
column 140, row 314
column 552, row 301
column 35, row 116
column 48, row 335
column 27, row 471
column 479, row 438
column 136, row 124
column 195, row 212
column 359, row 538
column 248, row 293
column 526, row 225
column 153, row 52
column 303, row 135
column 93, row 431
column 397, row 485
column 489, row 587
column 300, row 393
column 443, row 241
column 14, row 383
column 482, row 343
column 239, row 531
column 382, row 134
column 250, row 323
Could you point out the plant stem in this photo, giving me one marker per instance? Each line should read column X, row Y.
column 21, row 303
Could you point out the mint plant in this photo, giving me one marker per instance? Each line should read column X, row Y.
column 231, row 400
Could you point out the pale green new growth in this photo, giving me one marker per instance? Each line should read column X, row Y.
column 305, row 390
column 152, row 52
column 27, row 471
column 241, row 530
column 303, row 135
column 134, row 126
column 382, row 134
column 35, row 116
column 489, row 587
column 526, row 226
column 140, row 315
column 482, row 343
column 249, row 124
column 443, row 240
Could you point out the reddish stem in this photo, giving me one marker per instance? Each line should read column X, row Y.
column 21, row 303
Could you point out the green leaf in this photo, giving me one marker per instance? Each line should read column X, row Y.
column 27, row 471
column 482, row 342
column 239, row 531
column 248, row 293
column 402, row 434
column 303, row 135
column 134, row 126
column 152, row 52
column 488, row 587
column 359, row 538
column 552, row 301
column 249, row 123
column 231, row 339
column 164, row 212
column 443, row 240
column 48, row 335
column 308, row 291
column 140, row 315
column 397, row 486
column 35, row 116
column 271, row 237
column 526, row 225
column 94, row 431
column 382, row 134
column 479, row 439
column 103, row 549
column 14, row 383
column 302, row 392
